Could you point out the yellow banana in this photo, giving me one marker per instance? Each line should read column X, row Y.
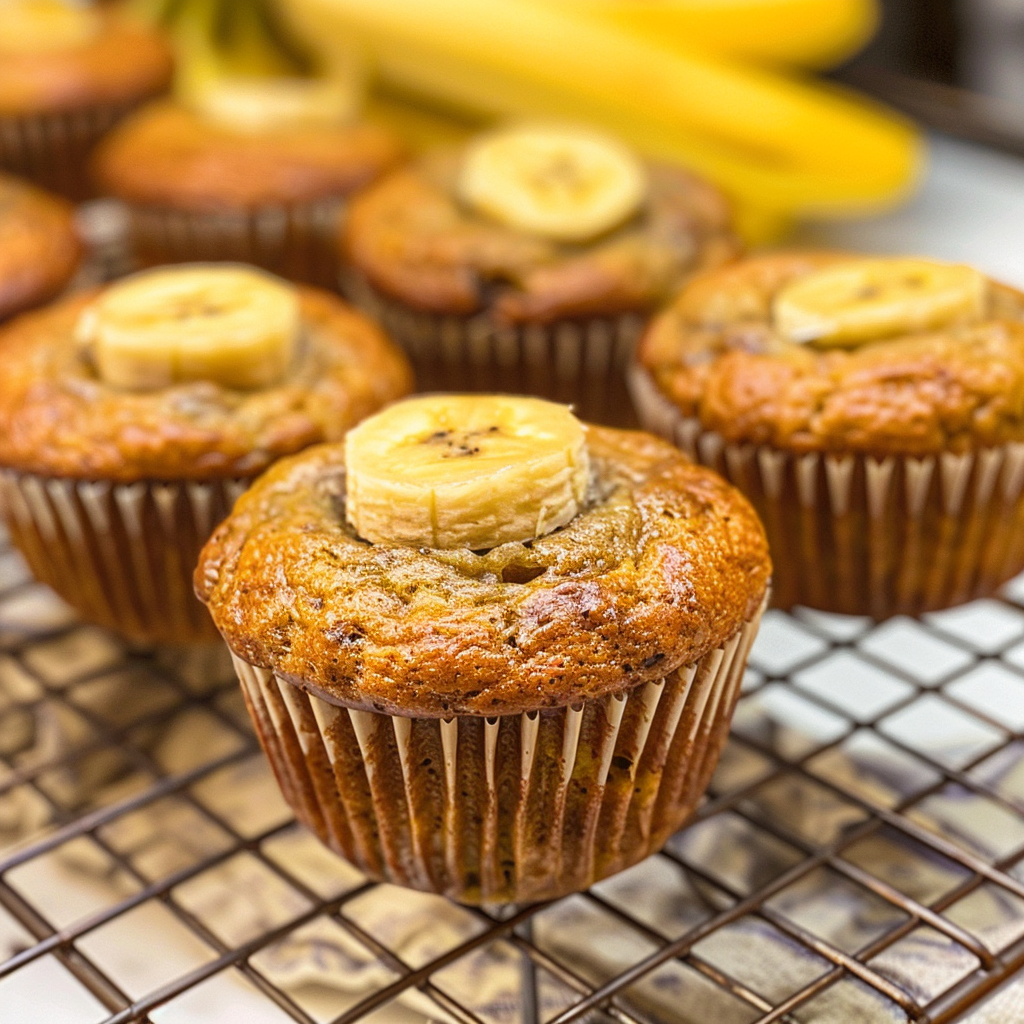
column 772, row 142
column 804, row 33
column 426, row 127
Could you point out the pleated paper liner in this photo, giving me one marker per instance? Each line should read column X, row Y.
column 52, row 148
column 295, row 241
column 507, row 809
column 122, row 555
column 867, row 535
column 579, row 362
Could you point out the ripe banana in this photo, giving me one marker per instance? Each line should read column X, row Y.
column 772, row 142
column 255, row 104
column 805, row 33
column 231, row 324
column 36, row 26
column 465, row 471
column 865, row 299
column 561, row 183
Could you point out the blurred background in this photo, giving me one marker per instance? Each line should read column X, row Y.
column 957, row 67
column 956, row 64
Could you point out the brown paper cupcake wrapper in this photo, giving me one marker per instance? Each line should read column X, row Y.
column 506, row 809
column 868, row 535
column 52, row 148
column 122, row 555
column 581, row 362
column 297, row 242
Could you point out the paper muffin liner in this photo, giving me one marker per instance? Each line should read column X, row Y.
column 581, row 362
column 52, row 148
column 505, row 809
column 295, row 241
column 862, row 534
column 122, row 555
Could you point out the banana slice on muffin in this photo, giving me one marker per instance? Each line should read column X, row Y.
column 861, row 300
column 562, row 183
column 233, row 325
column 465, row 471
column 258, row 104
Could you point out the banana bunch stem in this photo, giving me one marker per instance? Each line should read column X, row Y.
column 224, row 38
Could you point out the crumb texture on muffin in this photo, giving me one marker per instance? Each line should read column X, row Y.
column 665, row 563
column 168, row 155
column 58, row 418
column 39, row 247
column 717, row 355
column 123, row 62
column 414, row 240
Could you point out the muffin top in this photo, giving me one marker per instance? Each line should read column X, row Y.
column 536, row 236
column 91, row 57
column 169, row 154
column 39, row 247
column 828, row 351
column 660, row 564
column 146, row 387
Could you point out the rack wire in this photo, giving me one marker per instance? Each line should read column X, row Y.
column 859, row 857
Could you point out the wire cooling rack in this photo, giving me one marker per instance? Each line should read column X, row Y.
column 859, row 858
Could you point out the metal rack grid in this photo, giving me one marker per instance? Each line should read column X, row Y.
column 863, row 839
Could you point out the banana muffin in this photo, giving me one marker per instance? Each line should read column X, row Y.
column 871, row 408
column 132, row 416
column 491, row 651
column 256, row 170
column 39, row 247
column 529, row 259
column 68, row 73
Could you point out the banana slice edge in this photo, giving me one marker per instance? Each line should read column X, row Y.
column 862, row 300
column 465, row 471
column 231, row 324
column 568, row 184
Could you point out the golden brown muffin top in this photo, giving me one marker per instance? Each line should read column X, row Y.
column 166, row 154
column 664, row 564
column 58, row 418
column 417, row 242
column 39, row 247
column 717, row 356
column 124, row 61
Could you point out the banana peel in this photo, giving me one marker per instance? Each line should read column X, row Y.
column 776, row 143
